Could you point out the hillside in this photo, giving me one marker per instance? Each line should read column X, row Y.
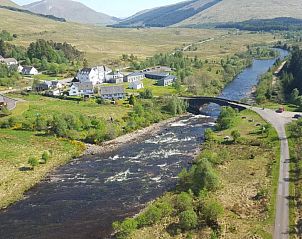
column 8, row 3
column 167, row 15
column 241, row 10
column 101, row 44
column 71, row 11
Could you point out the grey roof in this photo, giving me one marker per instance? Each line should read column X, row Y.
column 10, row 60
column 110, row 90
column 136, row 74
column 103, row 68
column 27, row 69
column 2, row 98
column 170, row 77
column 85, row 70
column 1, row 57
column 159, row 74
column 136, row 83
column 84, row 86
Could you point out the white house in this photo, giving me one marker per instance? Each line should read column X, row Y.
column 95, row 75
column 29, row 70
column 112, row 92
column 79, row 89
column 10, row 61
column 136, row 85
column 115, row 77
column 135, row 76
column 20, row 68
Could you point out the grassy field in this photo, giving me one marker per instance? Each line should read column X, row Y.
column 231, row 43
column 250, row 169
column 16, row 147
column 102, row 45
column 36, row 104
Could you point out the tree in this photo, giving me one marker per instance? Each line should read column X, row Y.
column 294, row 96
column 146, row 94
column 132, row 100
column 33, row 162
column 59, row 126
column 188, row 220
column 236, row 135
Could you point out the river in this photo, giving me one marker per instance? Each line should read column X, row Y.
column 81, row 199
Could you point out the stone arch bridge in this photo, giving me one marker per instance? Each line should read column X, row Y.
column 196, row 103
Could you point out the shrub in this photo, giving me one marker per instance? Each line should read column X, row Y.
column 188, row 220
column 33, row 162
column 211, row 211
column 125, row 228
column 151, row 216
column 184, row 202
column 236, row 135
column 45, row 156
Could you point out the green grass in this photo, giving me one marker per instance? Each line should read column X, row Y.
column 275, row 106
column 46, row 106
column 16, row 147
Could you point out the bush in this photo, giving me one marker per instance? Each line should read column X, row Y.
column 236, row 135
column 33, row 162
column 125, row 228
column 45, row 157
column 211, row 211
column 151, row 216
column 226, row 118
column 209, row 135
column 184, row 202
column 188, row 220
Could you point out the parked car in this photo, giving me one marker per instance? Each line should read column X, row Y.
column 297, row 116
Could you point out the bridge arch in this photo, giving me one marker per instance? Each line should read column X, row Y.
column 196, row 103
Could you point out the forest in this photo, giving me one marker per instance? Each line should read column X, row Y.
column 276, row 24
column 48, row 56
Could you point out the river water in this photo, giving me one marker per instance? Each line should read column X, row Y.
column 81, row 199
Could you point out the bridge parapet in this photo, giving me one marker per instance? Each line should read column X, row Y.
column 196, row 103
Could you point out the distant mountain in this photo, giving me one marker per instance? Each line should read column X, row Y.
column 71, row 11
column 167, row 15
column 196, row 13
column 8, row 3
column 242, row 10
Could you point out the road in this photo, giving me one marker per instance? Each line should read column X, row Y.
column 279, row 121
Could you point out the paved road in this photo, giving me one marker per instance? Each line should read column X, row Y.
column 282, row 205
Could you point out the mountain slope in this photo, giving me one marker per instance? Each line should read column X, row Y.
column 167, row 15
column 71, row 11
column 241, row 10
column 8, row 3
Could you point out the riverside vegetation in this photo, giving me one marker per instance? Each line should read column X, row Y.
column 295, row 143
column 229, row 190
column 38, row 137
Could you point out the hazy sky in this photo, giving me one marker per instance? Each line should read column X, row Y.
column 117, row 8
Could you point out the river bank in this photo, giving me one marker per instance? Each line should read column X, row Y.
column 246, row 171
column 111, row 145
